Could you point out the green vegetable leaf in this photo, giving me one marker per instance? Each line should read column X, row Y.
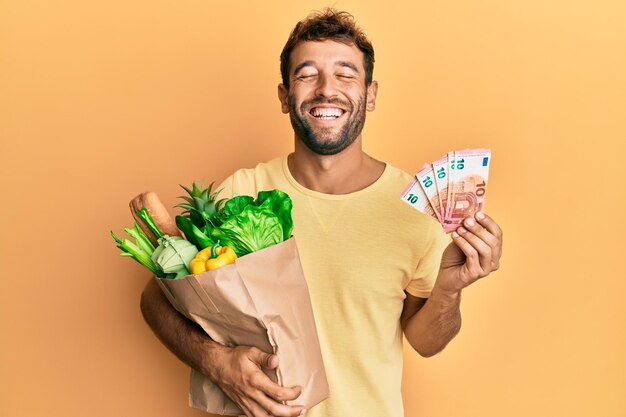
column 137, row 253
column 281, row 205
column 236, row 205
column 141, row 239
column 149, row 221
column 192, row 233
column 173, row 255
column 253, row 229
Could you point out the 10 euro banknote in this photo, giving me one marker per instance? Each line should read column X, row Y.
column 451, row 188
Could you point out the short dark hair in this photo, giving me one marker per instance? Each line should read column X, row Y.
column 328, row 24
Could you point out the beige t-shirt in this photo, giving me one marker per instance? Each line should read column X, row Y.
column 359, row 253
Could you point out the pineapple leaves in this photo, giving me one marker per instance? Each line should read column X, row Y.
column 201, row 206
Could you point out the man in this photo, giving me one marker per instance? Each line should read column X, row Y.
column 376, row 268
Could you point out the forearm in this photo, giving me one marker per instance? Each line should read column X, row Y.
column 180, row 335
column 430, row 329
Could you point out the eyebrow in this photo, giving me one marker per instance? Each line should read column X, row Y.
column 302, row 65
column 312, row 63
column 348, row 65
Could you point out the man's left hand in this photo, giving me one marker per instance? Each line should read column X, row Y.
column 474, row 253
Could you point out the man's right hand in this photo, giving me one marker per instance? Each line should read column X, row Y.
column 238, row 372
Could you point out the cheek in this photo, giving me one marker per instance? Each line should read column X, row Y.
column 292, row 101
column 297, row 96
column 295, row 106
column 356, row 94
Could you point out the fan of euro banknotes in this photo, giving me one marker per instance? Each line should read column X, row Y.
column 451, row 188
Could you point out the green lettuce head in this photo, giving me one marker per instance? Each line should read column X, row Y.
column 251, row 225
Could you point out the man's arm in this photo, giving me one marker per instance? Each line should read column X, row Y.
column 429, row 324
column 438, row 322
column 183, row 337
column 237, row 371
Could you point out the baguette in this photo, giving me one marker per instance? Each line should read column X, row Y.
column 159, row 213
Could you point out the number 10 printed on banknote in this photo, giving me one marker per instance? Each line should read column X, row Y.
column 451, row 188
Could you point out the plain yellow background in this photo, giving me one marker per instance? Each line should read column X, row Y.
column 101, row 100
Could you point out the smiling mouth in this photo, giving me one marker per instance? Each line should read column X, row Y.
column 326, row 113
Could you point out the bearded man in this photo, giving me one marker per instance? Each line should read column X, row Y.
column 346, row 210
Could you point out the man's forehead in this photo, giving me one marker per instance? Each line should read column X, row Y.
column 326, row 52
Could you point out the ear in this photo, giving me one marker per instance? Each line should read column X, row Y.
column 283, row 96
column 372, row 90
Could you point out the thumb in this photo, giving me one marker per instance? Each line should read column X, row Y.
column 264, row 360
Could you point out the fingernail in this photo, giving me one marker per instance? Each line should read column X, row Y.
column 480, row 215
column 461, row 229
column 455, row 234
column 470, row 222
column 303, row 412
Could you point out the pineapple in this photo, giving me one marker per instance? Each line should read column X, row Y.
column 202, row 206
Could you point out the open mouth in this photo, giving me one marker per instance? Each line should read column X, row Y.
column 326, row 113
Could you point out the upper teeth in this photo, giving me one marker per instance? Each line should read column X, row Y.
column 326, row 112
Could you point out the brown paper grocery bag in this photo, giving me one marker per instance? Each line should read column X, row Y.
column 260, row 300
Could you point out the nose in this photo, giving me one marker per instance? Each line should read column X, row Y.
column 325, row 86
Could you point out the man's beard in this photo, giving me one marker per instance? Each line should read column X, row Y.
column 327, row 143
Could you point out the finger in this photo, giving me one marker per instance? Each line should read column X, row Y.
column 489, row 224
column 495, row 234
column 475, row 227
column 246, row 405
column 471, row 267
column 256, row 410
column 273, row 390
column 277, row 409
column 262, row 359
column 494, row 243
column 264, row 383
column 483, row 249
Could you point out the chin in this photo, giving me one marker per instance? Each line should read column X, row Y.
column 328, row 147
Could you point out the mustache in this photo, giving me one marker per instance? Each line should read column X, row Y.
column 320, row 100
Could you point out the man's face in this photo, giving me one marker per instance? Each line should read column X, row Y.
column 327, row 97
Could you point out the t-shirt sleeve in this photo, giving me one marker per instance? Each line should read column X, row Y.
column 428, row 266
column 241, row 182
column 226, row 189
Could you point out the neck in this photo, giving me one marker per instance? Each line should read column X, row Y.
column 346, row 172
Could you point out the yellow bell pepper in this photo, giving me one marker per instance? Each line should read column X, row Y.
column 212, row 257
